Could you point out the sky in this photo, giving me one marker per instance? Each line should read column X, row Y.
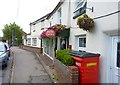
column 22, row 12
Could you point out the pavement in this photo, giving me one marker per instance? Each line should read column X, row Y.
column 28, row 68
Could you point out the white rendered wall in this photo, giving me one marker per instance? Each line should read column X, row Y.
column 99, row 40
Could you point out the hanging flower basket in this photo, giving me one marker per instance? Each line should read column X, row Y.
column 43, row 35
column 57, row 27
column 53, row 31
column 86, row 23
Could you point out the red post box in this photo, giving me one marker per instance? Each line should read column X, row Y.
column 88, row 64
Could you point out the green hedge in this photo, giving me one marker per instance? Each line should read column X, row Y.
column 64, row 57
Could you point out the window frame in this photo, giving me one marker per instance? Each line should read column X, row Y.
column 118, row 56
column 82, row 37
column 29, row 41
column 60, row 16
column 33, row 42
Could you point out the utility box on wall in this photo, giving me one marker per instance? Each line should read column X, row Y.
column 88, row 64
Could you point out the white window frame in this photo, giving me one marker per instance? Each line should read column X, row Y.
column 81, row 48
column 34, row 44
column 60, row 16
column 29, row 41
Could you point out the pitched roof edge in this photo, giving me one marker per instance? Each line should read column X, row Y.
column 55, row 9
column 40, row 19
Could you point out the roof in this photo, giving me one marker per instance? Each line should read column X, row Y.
column 41, row 19
column 56, row 8
column 24, row 33
column 29, row 34
column 47, row 16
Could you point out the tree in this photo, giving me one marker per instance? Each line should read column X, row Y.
column 12, row 33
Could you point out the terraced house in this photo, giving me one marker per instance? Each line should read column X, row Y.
column 103, row 39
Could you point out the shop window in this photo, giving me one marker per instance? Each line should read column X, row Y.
column 118, row 55
column 34, row 41
column 29, row 41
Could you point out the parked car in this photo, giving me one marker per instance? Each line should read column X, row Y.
column 3, row 55
column 8, row 48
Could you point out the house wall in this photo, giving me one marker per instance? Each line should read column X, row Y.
column 54, row 17
column 36, row 31
column 37, row 28
column 119, row 17
column 98, row 41
column 48, row 49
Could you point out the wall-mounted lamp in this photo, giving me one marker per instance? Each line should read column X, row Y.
column 91, row 9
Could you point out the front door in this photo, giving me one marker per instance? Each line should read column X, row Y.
column 115, row 61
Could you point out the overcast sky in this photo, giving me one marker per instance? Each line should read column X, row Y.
column 24, row 11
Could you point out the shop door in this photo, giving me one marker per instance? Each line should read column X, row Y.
column 115, row 61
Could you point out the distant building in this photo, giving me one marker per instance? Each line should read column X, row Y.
column 36, row 28
column 24, row 38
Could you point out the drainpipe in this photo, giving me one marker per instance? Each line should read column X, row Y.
column 69, row 14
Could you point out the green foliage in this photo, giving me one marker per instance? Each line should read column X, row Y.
column 68, row 60
column 11, row 30
column 64, row 57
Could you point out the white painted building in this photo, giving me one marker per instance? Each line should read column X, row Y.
column 103, row 40
column 36, row 28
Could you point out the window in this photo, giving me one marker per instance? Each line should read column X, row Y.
column 118, row 55
column 29, row 41
column 80, row 8
column 33, row 28
column 59, row 16
column 34, row 41
column 82, row 42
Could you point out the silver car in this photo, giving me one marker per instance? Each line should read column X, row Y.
column 3, row 55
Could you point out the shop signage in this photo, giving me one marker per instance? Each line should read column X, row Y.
column 50, row 33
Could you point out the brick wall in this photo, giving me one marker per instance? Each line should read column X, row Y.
column 66, row 74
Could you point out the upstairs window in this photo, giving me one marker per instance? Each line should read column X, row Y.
column 80, row 8
column 59, row 16
column 33, row 28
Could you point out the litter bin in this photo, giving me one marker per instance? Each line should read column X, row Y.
column 88, row 64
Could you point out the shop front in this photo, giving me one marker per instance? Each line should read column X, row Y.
column 55, row 38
